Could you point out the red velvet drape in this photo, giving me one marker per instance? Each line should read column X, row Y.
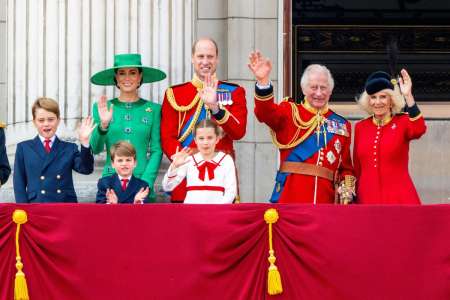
column 160, row 251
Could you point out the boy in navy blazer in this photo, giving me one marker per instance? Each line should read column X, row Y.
column 5, row 169
column 43, row 166
column 122, row 187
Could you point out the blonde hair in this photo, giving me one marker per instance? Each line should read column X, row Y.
column 47, row 104
column 397, row 100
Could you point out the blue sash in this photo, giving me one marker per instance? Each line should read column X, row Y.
column 224, row 91
column 190, row 138
column 302, row 152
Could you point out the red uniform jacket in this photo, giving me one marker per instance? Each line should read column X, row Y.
column 335, row 155
column 380, row 155
column 177, row 110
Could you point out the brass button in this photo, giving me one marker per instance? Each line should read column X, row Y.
column 42, row 177
column 58, row 191
column 43, row 192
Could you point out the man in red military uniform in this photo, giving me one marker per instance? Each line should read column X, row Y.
column 203, row 97
column 314, row 142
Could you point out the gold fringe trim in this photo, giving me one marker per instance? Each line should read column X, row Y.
column 20, row 283
column 274, row 285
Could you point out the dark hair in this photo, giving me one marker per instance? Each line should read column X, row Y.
column 115, row 80
column 205, row 39
column 48, row 104
column 122, row 148
column 206, row 123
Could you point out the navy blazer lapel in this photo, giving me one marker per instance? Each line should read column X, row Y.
column 116, row 185
column 55, row 150
column 38, row 147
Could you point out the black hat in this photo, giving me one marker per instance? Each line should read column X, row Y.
column 378, row 81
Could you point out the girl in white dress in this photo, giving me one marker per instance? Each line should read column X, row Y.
column 210, row 175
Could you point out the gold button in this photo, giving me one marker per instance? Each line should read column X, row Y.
column 42, row 177
column 58, row 176
column 58, row 191
column 43, row 192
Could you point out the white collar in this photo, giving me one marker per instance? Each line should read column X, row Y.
column 52, row 139
column 120, row 178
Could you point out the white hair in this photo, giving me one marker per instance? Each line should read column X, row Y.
column 304, row 81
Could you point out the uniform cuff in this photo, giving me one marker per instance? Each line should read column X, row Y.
column 413, row 111
column 101, row 130
column 263, row 93
column 220, row 114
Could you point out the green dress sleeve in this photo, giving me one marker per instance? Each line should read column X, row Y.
column 151, row 170
column 98, row 136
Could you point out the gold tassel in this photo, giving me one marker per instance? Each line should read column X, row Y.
column 20, row 283
column 274, row 285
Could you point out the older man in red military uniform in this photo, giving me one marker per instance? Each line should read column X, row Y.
column 203, row 97
column 314, row 142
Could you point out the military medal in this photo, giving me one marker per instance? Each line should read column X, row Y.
column 224, row 97
column 148, row 109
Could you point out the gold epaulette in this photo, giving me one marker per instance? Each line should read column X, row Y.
column 2, row 125
column 180, row 108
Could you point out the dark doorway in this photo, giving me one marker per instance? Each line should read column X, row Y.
column 346, row 35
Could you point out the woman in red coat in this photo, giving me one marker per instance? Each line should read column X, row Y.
column 381, row 146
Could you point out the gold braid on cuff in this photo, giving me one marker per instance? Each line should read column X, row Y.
column 263, row 98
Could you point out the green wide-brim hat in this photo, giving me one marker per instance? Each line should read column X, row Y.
column 106, row 77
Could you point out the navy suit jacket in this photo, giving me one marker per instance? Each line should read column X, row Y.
column 113, row 182
column 47, row 177
column 5, row 169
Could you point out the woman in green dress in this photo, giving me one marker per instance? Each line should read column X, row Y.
column 129, row 117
